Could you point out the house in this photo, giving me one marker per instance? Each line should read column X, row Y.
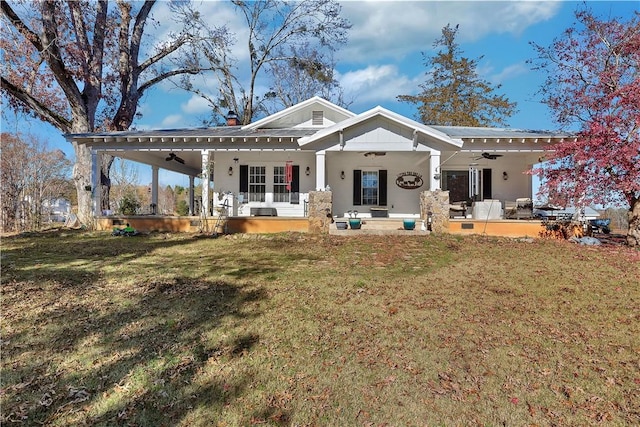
column 377, row 162
column 56, row 209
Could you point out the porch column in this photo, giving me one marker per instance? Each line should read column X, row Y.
column 320, row 170
column 191, row 195
column 96, row 182
column 205, row 184
column 154, row 189
column 435, row 174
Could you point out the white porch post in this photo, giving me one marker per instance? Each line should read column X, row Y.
column 191, row 195
column 96, row 182
column 205, row 184
column 435, row 174
column 154, row 188
column 320, row 170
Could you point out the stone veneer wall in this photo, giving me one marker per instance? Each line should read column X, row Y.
column 436, row 202
column 320, row 211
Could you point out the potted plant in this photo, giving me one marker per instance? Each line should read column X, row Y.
column 341, row 225
column 409, row 223
column 354, row 222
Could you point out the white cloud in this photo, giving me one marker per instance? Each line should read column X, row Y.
column 392, row 30
column 196, row 105
column 509, row 72
column 172, row 120
column 376, row 83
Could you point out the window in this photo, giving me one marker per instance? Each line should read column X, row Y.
column 280, row 192
column 370, row 188
column 257, row 183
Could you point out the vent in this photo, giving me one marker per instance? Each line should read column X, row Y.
column 317, row 118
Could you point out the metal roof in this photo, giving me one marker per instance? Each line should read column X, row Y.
column 470, row 132
column 191, row 133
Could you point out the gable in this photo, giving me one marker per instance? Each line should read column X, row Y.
column 379, row 130
column 315, row 112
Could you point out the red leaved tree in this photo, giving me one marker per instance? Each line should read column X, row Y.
column 593, row 84
column 84, row 65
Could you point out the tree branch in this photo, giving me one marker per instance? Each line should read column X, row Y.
column 146, row 85
column 138, row 30
column 38, row 108
column 20, row 26
column 51, row 53
column 163, row 53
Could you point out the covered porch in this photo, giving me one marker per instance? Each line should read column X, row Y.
column 377, row 163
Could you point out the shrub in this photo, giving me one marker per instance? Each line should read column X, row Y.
column 129, row 204
column 182, row 209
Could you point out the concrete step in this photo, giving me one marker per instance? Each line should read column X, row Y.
column 379, row 226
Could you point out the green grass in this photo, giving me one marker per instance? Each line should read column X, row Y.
column 294, row 329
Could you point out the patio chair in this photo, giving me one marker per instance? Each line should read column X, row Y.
column 458, row 209
column 524, row 208
column 510, row 209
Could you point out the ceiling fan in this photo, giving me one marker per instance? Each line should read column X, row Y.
column 172, row 156
column 488, row 156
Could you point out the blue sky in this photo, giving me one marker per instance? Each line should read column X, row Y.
column 383, row 57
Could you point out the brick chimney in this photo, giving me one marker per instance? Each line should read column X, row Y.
column 232, row 119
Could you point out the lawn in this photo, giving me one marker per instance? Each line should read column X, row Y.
column 294, row 329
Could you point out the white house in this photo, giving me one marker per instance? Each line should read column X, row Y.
column 376, row 162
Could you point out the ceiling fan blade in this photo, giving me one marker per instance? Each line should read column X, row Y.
column 490, row 156
column 179, row 159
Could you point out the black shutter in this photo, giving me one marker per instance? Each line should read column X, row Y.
column 244, row 182
column 486, row 184
column 382, row 187
column 357, row 187
column 295, row 185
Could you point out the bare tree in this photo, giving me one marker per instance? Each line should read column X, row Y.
column 276, row 31
column 309, row 72
column 83, row 66
column 30, row 175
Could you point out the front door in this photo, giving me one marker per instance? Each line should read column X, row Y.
column 457, row 183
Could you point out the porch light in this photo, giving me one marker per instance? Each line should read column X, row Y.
column 307, row 171
column 230, row 170
column 436, row 176
column 505, row 175
column 342, row 175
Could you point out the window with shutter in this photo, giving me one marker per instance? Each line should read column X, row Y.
column 370, row 187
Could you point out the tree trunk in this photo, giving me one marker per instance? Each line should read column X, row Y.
column 105, row 182
column 82, row 179
column 633, row 235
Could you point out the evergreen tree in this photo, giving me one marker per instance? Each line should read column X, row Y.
column 454, row 94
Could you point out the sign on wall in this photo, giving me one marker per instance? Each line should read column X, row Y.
column 409, row 180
